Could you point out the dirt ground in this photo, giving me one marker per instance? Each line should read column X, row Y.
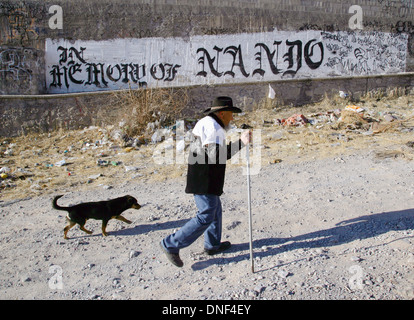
column 332, row 203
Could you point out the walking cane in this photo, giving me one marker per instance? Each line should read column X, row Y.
column 250, row 208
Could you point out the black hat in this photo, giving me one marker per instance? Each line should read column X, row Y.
column 222, row 104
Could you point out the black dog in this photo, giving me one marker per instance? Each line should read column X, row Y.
column 102, row 210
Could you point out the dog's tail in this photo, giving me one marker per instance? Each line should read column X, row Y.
column 56, row 206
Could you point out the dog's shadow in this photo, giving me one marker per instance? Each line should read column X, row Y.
column 146, row 228
column 136, row 229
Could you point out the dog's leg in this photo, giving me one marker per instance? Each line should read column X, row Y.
column 104, row 223
column 83, row 229
column 66, row 229
column 121, row 218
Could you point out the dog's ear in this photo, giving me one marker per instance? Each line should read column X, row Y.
column 131, row 199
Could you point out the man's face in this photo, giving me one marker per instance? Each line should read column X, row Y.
column 226, row 117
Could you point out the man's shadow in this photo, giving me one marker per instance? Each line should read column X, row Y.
column 346, row 231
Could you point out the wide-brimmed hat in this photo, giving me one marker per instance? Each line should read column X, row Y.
column 222, row 104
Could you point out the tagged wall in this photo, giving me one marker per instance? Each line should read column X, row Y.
column 17, row 67
column 214, row 60
column 21, row 54
column 223, row 47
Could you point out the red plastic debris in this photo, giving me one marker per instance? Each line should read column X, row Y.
column 295, row 120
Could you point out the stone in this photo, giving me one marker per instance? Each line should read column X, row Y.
column 133, row 254
column 283, row 273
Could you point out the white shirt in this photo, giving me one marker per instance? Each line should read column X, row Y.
column 209, row 131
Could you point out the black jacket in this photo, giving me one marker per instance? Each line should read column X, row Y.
column 207, row 165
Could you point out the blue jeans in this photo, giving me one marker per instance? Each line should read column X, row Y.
column 207, row 221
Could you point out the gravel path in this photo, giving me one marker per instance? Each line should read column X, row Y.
column 333, row 228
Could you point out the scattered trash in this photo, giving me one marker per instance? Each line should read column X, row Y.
column 130, row 168
column 160, row 135
column 102, row 163
column 339, row 136
column 105, row 163
column 9, row 151
column 60, row 163
column 295, row 120
column 93, row 177
column 343, row 94
column 389, row 117
column 272, row 93
column 354, row 108
column 4, row 170
column 330, row 116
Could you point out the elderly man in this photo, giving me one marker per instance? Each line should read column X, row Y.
column 205, row 179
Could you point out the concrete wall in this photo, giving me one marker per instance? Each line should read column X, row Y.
column 25, row 26
column 76, row 66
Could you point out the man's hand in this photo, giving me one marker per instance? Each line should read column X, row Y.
column 246, row 137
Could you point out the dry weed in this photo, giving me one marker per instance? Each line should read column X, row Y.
column 394, row 126
column 351, row 119
column 146, row 110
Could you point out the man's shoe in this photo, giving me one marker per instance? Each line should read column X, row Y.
column 223, row 246
column 173, row 257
